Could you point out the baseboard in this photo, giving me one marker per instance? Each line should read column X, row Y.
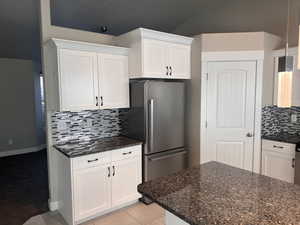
column 22, row 151
column 52, row 205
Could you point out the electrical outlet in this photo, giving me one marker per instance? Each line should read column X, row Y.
column 61, row 125
column 294, row 118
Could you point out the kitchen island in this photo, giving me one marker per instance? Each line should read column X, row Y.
column 214, row 193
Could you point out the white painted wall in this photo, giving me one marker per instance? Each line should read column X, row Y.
column 20, row 106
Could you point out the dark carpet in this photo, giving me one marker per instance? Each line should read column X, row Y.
column 23, row 187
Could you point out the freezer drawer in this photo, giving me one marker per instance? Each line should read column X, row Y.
column 162, row 164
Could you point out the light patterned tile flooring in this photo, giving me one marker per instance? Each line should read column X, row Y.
column 137, row 214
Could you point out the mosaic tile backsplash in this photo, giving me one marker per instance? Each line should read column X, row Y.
column 278, row 120
column 87, row 125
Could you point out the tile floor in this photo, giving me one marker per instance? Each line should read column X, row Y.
column 137, row 214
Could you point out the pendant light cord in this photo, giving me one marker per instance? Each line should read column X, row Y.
column 287, row 31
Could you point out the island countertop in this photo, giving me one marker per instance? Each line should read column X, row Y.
column 214, row 193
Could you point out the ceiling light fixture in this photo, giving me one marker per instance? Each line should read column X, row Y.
column 285, row 72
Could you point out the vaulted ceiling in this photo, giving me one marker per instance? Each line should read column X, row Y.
column 19, row 21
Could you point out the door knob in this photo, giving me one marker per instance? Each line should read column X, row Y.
column 249, row 135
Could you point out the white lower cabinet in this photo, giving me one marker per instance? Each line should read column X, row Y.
column 126, row 175
column 99, row 183
column 278, row 160
column 92, row 191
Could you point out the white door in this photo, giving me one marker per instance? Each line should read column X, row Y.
column 126, row 177
column 113, row 81
column 179, row 61
column 92, row 191
column 279, row 166
column 230, row 113
column 155, row 59
column 78, row 80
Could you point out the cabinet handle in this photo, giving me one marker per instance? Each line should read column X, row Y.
column 97, row 102
column 101, row 99
column 108, row 171
column 114, row 170
column 293, row 162
column 171, row 71
column 94, row 160
column 276, row 146
column 127, row 153
column 167, row 73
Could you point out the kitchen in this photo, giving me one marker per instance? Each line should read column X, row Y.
column 155, row 103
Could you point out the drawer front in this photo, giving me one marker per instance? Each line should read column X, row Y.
column 280, row 147
column 91, row 160
column 126, row 153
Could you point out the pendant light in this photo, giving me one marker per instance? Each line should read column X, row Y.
column 285, row 72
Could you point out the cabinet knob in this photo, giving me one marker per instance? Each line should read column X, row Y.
column 171, row 71
column 114, row 170
column 167, row 73
column 249, row 135
column 101, row 99
column 108, row 171
column 97, row 102
column 293, row 162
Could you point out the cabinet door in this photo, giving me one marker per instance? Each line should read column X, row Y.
column 113, row 81
column 127, row 175
column 179, row 60
column 92, row 191
column 278, row 166
column 155, row 59
column 78, row 80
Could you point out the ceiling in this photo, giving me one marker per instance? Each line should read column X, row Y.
column 20, row 24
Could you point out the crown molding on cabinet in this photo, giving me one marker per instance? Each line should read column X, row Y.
column 142, row 33
column 86, row 46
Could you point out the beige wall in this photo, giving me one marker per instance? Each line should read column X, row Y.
column 18, row 114
column 193, row 104
column 244, row 41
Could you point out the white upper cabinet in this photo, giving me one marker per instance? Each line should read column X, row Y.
column 180, row 61
column 79, row 72
column 83, row 76
column 155, row 58
column 156, row 54
column 296, row 76
column 113, row 81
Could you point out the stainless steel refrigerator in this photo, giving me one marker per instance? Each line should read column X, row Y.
column 157, row 117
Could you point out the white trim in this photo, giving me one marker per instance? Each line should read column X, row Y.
column 86, row 46
column 53, row 205
column 232, row 56
column 281, row 52
column 257, row 56
column 162, row 36
column 22, row 151
column 257, row 120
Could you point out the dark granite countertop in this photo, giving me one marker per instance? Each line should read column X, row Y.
column 287, row 138
column 214, row 193
column 79, row 148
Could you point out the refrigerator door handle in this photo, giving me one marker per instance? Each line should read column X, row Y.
column 167, row 156
column 151, row 119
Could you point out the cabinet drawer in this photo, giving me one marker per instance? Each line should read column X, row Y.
column 125, row 153
column 91, row 160
column 280, row 147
